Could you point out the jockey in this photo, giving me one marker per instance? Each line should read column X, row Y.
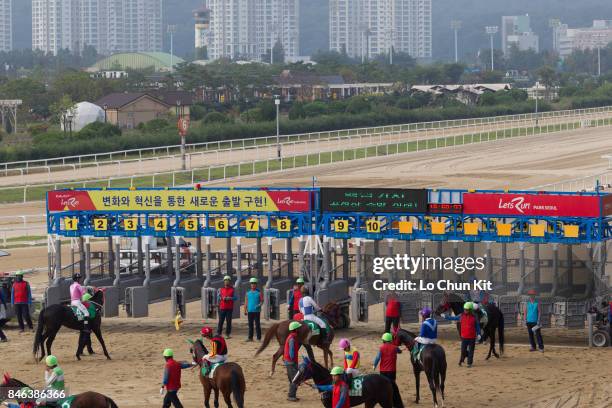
column 308, row 307
column 54, row 380
column 218, row 347
column 351, row 359
column 428, row 334
column 76, row 294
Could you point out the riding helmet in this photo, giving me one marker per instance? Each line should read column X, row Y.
column 387, row 337
column 76, row 276
column 51, row 361
column 168, row 353
column 337, row 371
column 206, row 332
column 294, row 325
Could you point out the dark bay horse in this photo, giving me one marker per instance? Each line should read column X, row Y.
column 495, row 320
column 433, row 362
column 330, row 313
column 52, row 318
column 227, row 378
column 88, row 399
column 376, row 389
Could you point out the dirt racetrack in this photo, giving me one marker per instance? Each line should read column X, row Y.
column 564, row 376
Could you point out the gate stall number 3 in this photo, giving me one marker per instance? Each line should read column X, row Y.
column 130, row 224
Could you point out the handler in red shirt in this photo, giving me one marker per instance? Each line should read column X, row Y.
column 387, row 357
column 340, row 389
column 469, row 331
column 295, row 294
column 392, row 313
column 226, row 297
column 172, row 379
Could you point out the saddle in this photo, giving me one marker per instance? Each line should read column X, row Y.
column 209, row 369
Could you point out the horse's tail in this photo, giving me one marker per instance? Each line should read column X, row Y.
column 397, row 397
column 110, row 403
column 238, row 388
column 266, row 341
column 500, row 329
column 38, row 339
column 435, row 374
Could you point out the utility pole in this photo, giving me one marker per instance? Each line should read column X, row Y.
column 456, row 26
column 492, row 30
column 171, row 31
column 278, row 146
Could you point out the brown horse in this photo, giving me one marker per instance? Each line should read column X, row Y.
column 331, row 313
column 88, row 399
column 227, row 378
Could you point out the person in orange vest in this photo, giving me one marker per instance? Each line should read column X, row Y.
column 21, row 299
column 339, row 389
column 290, row 358
column 226, row 298
column 295, row 294
column 171, row 382
column 392, row 313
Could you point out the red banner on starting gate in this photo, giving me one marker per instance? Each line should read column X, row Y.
column 513, row 204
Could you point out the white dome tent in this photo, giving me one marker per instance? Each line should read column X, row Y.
column 81, row 115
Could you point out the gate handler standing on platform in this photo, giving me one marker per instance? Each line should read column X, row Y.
column 226, row 297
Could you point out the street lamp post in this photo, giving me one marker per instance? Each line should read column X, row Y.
column 105, row 107
column 492, row 30
column 598, row 38
column 456, row 26
column 278, row 146
column 179, row 115
column 69, row 117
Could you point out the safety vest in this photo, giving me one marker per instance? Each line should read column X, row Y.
column 174, row 375
column 337, row 394
column 20, row 292
column 388, row 358
column 297, row 295
column 393, row 308
column 226, row 304
column 532, row 311
column 253, row 301
column 468, row 326
column 351, row 358
column 287, row 351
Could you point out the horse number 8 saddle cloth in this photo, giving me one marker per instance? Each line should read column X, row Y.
column 356, row 389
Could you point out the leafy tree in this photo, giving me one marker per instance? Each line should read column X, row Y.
column 215, row 117
column 97, row 130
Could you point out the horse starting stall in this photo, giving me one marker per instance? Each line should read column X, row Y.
column 179, row 243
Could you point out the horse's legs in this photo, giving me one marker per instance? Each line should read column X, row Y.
column 88, row 344
column 325, row 351
column 308, row 348
column 432, row 386
column 417, row 382
column 50, row 340
column 81, row 346
column 206, row 395
column 98, row 333
column 216, row 397
column 275, row 358
column 493, row 343
column 227, row 396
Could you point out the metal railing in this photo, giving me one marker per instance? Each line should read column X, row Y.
column 370, row 146
column 109, row 158
column 586, row 183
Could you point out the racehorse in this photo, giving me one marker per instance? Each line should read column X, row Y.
column 330, row 313
column 87, row 399
column 53, row 317
column 433, row 362
column 376, row 389
column 495, row 320
column 227, row 378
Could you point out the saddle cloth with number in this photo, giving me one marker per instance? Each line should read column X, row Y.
column 356, row 389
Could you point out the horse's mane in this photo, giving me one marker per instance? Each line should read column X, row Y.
column 8, row 381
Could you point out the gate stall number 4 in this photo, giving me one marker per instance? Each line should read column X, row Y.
column 160, row 224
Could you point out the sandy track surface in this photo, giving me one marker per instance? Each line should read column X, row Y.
column 563, row 376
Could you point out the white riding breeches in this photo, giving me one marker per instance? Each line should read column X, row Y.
column 81, row 307
column 216, row 359
column 425, row 340
column 316, row 319
column 352, row 371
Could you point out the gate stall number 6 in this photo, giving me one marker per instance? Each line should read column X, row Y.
column 221, row 224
